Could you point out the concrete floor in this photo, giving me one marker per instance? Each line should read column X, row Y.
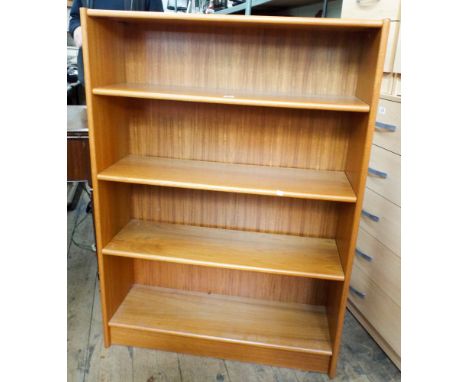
column 361, row 358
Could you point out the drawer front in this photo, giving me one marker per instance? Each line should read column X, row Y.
column 380, row 264
column 387, row 129
column 385, row 173
column 377, row 307
column 381, row 219
column 371, row 9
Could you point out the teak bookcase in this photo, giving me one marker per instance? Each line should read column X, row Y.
column 229, row 160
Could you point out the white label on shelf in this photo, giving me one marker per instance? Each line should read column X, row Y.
column 279, row 193
column 228, row 96
column 382, row 110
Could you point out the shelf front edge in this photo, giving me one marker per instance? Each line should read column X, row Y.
column 116, row 91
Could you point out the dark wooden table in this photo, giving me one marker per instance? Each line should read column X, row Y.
column 78, row 164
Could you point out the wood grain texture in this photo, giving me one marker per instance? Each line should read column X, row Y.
column 293, row 327
column 243, row 212
column 234, row 19
column 230, row 97
column 368, row 88
column 361, row 357
column 231, row 282
column 78, row 166
column 284, row 59
column 275, row 254
column 245, row 60
column 245, row 179
column 88, row 47
column 237, row 134
column 237, row 61
column 226, row 350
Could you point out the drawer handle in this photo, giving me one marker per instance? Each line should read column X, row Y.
column 380, row 174
column 364, row 255
column 370, row 216
column 385, row 126
column 357, row 292
column 366, row 1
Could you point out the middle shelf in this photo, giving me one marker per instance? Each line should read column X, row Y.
column 213, row 247
column 234, row 97
column 227, row 177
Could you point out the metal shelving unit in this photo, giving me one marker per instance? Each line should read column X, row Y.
column 249, row 4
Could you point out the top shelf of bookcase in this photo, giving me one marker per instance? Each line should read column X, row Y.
column 131, row 16
column 289, row 62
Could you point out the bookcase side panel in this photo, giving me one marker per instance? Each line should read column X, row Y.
column 368, row 89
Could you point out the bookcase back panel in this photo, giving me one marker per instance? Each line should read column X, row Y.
column 256, row 60
column 301, row 217
column 231, row 282
column 239, row 134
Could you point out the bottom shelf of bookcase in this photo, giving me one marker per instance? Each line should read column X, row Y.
column 268, row 332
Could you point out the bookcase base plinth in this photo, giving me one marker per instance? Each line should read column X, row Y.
column 217, row 349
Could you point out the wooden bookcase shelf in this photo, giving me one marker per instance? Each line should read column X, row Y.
column 276, row 325
column 228, row 97
column 229, row 158
column 246, row 179
column 253, row 251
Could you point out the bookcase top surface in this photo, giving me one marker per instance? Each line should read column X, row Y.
column 237, row 19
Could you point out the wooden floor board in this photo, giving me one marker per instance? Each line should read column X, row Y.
column 201, row 369
column 81, row 283
column 249, row 372
column 155, row 366
column 361, row 358
column 114, row 364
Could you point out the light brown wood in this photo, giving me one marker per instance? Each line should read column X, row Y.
column 279, row 137
column 234, row 19
column 276, row 254
column 272, row 67
column 229, row 97
column 302, row 217
column 294, row 327
column 231, row 282
column 245, row 179
column 237, row 60
column 357, row 165
column 227, row 350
